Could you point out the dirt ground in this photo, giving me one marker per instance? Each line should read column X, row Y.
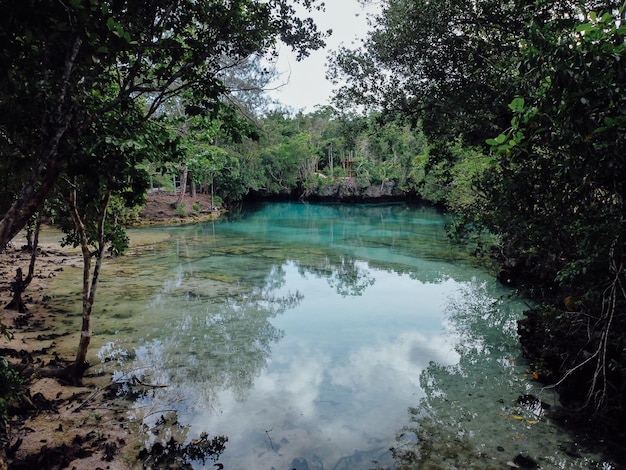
column 160, row 208
column 57, row 425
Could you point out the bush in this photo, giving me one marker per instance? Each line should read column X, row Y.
column 181, row 210
column 10, row 382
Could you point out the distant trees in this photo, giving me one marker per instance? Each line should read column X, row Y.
column 296, row 153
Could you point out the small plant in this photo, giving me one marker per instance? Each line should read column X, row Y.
column 181, row 210
column 9, row 385
column 196, row 206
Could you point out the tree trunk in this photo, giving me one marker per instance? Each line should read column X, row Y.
column 49, row 164
column 20, row 284
column 80, row 365
column 33, row 194
column 330, row 159
column 183, row 187
column 17, row 286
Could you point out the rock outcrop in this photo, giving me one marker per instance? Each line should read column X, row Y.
column 348, row 190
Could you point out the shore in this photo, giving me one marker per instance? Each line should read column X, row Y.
column 55, row 425
column 58, row 425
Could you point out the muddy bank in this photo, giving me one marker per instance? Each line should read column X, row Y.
column 346, row 190
column 52, row 423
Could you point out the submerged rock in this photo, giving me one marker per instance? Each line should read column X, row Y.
column 524, row 462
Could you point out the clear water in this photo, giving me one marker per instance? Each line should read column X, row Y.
column 320, row 336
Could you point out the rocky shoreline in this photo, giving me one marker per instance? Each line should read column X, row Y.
column 347, row 190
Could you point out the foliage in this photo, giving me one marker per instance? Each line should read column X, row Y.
column 181, row 210
column 66, row 64
column 560, row 162
column 9, row 384
column 308, row 152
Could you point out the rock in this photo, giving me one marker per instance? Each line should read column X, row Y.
column 525, row 462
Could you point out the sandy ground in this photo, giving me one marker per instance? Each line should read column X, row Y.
column 76, row 427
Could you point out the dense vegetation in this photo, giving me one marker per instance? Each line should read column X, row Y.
column 512, row 114
column 539, row 87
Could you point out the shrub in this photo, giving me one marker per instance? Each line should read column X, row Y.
column 9, row 385
column 181, row 210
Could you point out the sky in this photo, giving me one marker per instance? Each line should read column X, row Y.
column 303, row 83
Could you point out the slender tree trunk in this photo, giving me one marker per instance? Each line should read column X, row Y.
column 183, row 186
column 90, row 282
column 330, row 159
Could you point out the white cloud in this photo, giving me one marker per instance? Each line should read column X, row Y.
column 305, row 82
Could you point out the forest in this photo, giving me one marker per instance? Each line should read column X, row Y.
column 511, row 115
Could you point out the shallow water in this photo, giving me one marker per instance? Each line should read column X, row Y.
column 320, row 336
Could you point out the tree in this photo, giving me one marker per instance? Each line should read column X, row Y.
column 439, row 63
column 557, row 197
column 60, row 59
column 20, row 284
column 90, row 204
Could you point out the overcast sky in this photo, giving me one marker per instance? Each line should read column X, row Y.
column 306, row 85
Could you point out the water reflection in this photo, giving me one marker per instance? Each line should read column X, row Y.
column 321, row 384
column 485, row 411
column 213, row 344
column 305, row 332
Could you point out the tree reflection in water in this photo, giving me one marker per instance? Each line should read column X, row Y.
column 216, row 344
column 347, row 275
column 453, row 428
column 169, row 450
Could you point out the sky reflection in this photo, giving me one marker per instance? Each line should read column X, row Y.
column 339, row 378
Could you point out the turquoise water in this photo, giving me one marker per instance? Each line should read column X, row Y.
column 322, row 336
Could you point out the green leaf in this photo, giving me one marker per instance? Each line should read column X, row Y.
column 517, row 105
column 501, row 139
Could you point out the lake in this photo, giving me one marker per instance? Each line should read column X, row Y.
column 322, row 337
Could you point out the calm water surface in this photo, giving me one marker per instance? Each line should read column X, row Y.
column 320, row 336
